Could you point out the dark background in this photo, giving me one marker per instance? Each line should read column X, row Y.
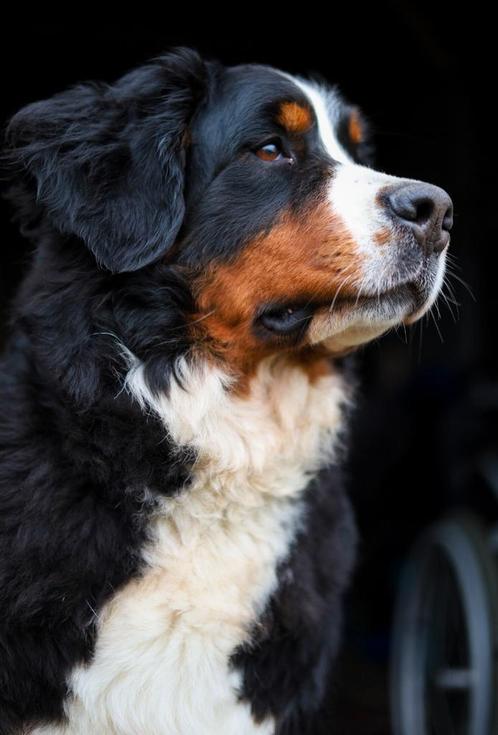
column 428, row 401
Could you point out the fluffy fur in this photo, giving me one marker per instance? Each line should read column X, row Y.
column 174, row 536
column 177, row 626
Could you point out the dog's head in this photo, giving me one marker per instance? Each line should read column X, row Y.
column 251, row 184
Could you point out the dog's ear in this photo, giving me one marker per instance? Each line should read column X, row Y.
column 106, row 163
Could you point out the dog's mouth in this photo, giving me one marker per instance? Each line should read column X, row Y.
column 348, row 320
column 407, row 301
column 352, row 320
column 383, row 303
column 290, row 321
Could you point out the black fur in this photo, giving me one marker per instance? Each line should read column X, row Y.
column 128, row 190
column 231, row 197
column 287, row 664
column 76, row 456
column 108, row 162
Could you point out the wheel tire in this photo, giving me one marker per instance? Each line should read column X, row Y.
column 444, row 664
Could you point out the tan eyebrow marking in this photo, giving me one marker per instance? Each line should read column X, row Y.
column 294, row 117
column 355, row 128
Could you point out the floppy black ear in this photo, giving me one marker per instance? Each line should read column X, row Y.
column 106, row 163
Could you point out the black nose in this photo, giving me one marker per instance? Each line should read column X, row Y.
column 427, row 210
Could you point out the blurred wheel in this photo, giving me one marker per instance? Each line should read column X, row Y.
column 444, row 668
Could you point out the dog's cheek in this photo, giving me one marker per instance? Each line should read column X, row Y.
column 305, row 259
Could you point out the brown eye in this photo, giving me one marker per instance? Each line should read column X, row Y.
column 270, row 151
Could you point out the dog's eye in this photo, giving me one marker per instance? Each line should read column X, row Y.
column 269, row 152
column 272, row 151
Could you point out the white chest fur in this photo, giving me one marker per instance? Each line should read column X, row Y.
column 161, row 664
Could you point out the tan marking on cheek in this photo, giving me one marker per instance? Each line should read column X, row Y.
column 304, row 258
column 383, row 236
column 295, row 118
column 355, row 128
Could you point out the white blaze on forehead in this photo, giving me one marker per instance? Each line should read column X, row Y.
column 353, row 189
column 326, row 106
column 353, row 195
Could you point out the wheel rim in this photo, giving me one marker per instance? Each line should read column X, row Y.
column 443, row 668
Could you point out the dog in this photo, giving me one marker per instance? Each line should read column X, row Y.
column 210, row 245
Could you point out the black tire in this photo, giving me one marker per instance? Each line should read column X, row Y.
column 444, row 665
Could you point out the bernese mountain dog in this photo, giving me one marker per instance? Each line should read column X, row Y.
column 210, row 243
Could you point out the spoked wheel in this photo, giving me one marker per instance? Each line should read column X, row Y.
column 444, row 668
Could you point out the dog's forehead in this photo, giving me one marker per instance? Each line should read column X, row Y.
column 252, row 86
column 248, row 94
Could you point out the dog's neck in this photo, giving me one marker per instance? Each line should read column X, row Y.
column 283, row 428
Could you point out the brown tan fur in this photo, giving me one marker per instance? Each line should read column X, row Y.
column 383, row 236
column 313, row 360
column 303, row 258
column 295, row 118
column 355, row 128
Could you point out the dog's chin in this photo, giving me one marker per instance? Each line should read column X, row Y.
column 352, row 322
